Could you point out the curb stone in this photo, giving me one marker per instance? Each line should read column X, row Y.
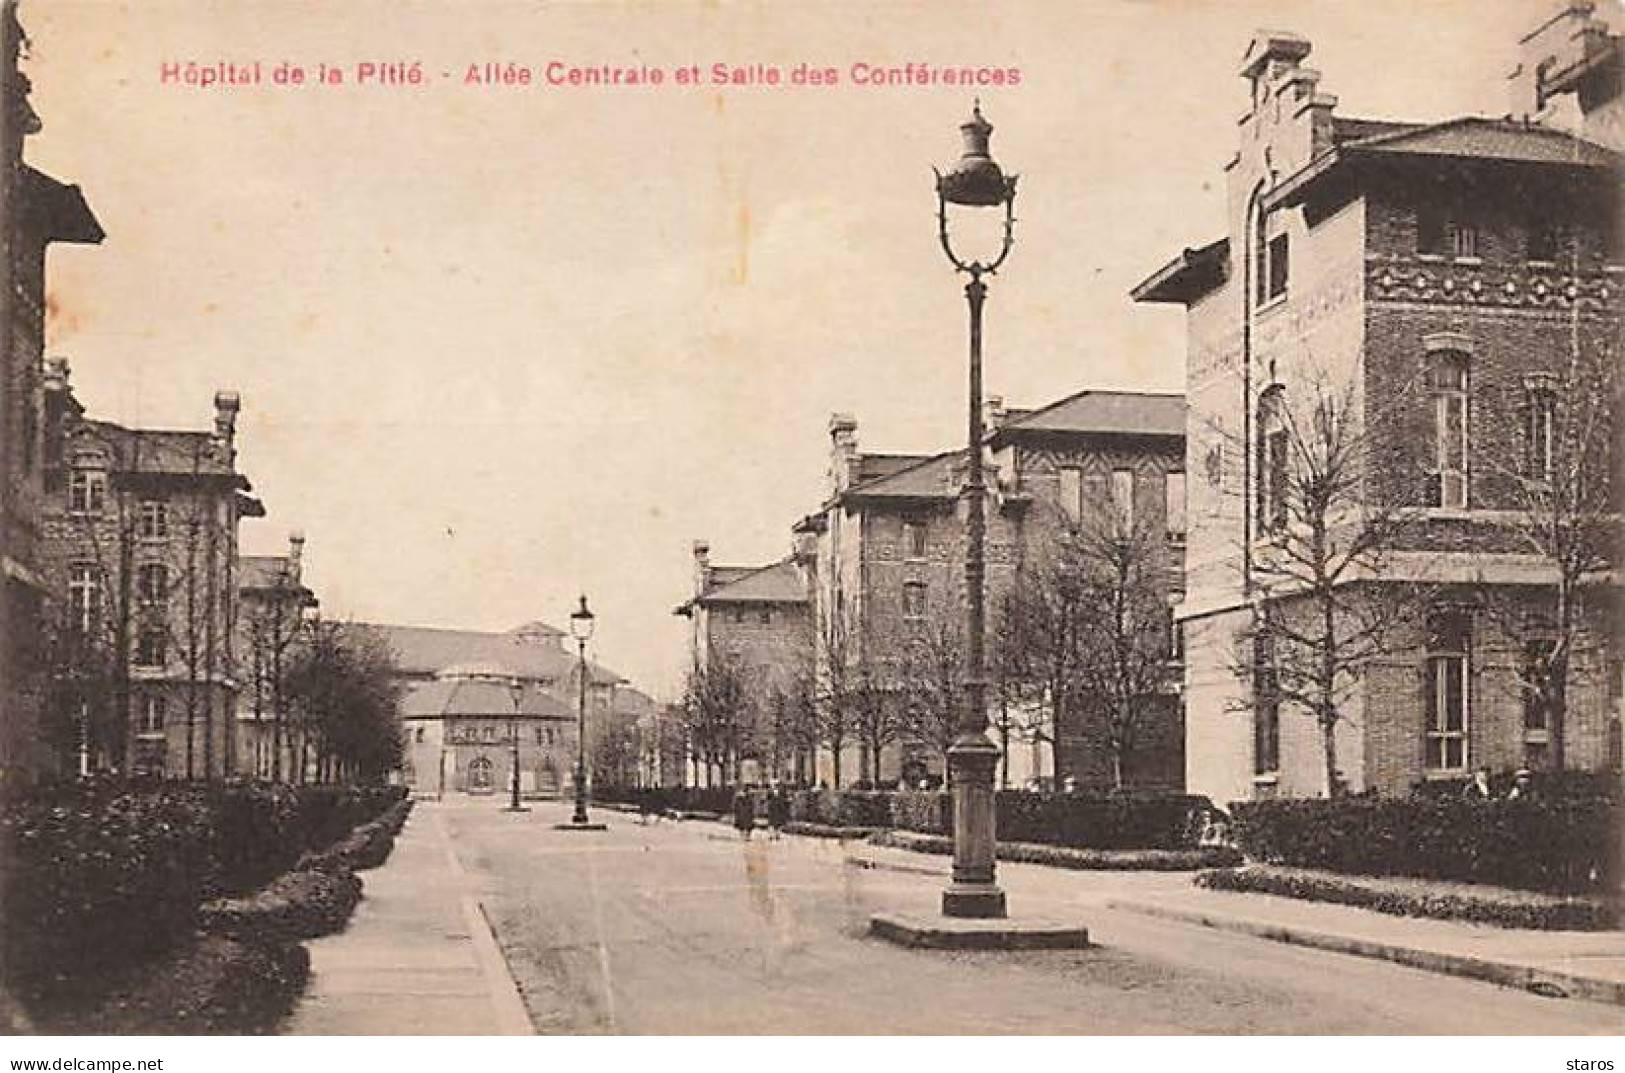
column 1545, row 982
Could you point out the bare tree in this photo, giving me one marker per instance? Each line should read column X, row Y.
column 1558, row 481
column 835, row 686
column 931, row 681
column 1326, row 528
column 1124, row 666
column 1039, row 650
column 716, row 710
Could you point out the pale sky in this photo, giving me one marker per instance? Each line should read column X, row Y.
column 498, row 346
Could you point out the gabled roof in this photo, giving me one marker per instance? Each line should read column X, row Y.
column 778, row 583
column 1188, row 276
column 161, row 452
column 456, row 695
column 1102, row 413
column 422, row 651
column 1476, row 138
column 58, row 211
column 928, row 477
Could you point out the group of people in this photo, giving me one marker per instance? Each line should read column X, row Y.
column 776, row 808
column 1480, row 788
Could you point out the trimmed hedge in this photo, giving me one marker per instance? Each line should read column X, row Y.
column 207, row 986
column 298, row 905
column 1125, row 860
column 1118, row 821
column 824, row 830
column 1563, row 846
column 1433, row 899
column 84, row 860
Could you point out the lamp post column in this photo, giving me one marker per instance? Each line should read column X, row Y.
column 972, row 757
column 580, row 814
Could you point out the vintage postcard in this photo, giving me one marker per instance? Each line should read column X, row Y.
column 731, row 518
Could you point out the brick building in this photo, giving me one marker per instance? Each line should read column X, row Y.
column 139, row 542
column 886, row 553
column 459, row 706
column 35, row 211
column 1442, row 276
column 758, row 619
column 273, row 602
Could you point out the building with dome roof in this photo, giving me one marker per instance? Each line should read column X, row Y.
column 468, row 694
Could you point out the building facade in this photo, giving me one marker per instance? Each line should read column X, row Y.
column 1431, row 287
column 35, row 211
column 139, row 531
column 886, row 559
column 273, row 602
column 466, row 693
column 754, row 622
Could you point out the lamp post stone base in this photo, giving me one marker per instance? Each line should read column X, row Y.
column 973, row 893
column 947, row 933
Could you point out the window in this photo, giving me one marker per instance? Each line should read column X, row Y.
column 914, row 599
column 914, row 539
column 1272, row 461
column 151, row 718
column 1266, row 707
column 1463, row 240
column 490, row 733
column 541, row 736
column 152, row 523
column 1542, row 239
column 1449, row 377
column 1095, row 497
column 1537, row 655
column 1176, row 638
column 738, row 614
column 1123, row 499
column 1072, row 494
column 1541, row 433
column 1269, row 260
column 1430, row 232
column 87, row 492
column 150, row 644
column 1174, row 507
column 418, row 736
column 152, row 582
column 1445, row 700
column 765, row 616
column 84, row 597
column 479, row 773
column 1277, row 257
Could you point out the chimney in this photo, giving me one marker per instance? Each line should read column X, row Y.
column 702, row 567
column 1291, row 119
column 56, row 374
column 843, row 452
column 296, row 553
column 993, row 413
column 226, row 405
column 1565, row 77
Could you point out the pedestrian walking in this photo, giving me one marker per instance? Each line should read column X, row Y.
column 745, row 812
column 778, row 810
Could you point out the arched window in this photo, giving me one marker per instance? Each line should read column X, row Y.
column 479, row 773
column 1448, row 378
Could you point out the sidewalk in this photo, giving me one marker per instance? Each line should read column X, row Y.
column 1573, row 964
column 418, row 957
column 1588, row 965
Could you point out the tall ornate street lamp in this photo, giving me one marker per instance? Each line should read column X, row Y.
column 581, row 623
column 517, row 689
column 974, row 186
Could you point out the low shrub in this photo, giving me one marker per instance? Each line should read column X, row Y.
column 824, row 830
column 298, row 905
column 1563, row 845
column 1118, row 821
column 923, row 810
column 1434, row 899
column 1126, row 860
column 206, row 986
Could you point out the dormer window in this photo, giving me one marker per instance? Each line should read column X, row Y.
column 1443, row 234
column 1542, row 239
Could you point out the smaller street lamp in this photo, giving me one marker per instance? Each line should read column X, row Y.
column 581, row 625
column 517, row 689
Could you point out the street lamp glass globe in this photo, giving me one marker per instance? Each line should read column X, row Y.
column 581, row 622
